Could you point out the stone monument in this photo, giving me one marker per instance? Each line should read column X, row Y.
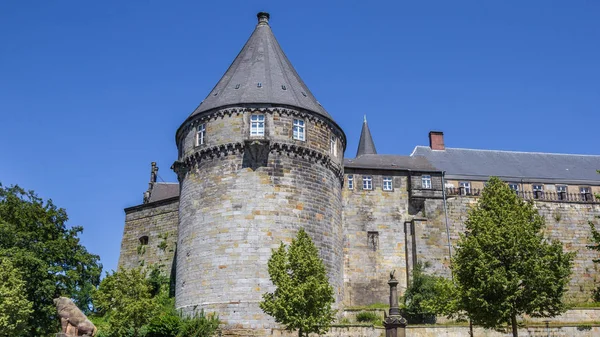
column 395, row 324
column 72, row 320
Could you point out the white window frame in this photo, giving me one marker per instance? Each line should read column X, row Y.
column 585, row 191
column 514, row 187
column 561, row 189
column 367, row 182
column 257, row 125
column 537, row 188
column 426, row 181
column 299, row 130
column 350, row 181
column 200, row 134
column 333, row 146
column 388, row 184
column 465, row 187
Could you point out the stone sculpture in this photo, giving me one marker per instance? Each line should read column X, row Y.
column 72, row 320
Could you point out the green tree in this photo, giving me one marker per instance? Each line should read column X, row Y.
column 595, row 246
column 303, row 297
column 504, row 267
column 52, row 261
column 419, row 296
column 14, row 306
column 124, row 298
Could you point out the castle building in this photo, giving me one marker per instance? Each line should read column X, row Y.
column 260, row 158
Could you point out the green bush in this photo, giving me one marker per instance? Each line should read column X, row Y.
column 199, row 325
column 368, row 317
column 164, row 325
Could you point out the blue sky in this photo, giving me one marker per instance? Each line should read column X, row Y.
column 92, row 92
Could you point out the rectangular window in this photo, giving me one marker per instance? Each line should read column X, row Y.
column 387, row 184
column 373, row 240
column 299, row 132
column 514, row 187
column 367, row 183
column 200, row 134
column 586, row 193
column 426, row 181
column 538, row 191
column 332, row 146
column 350, row 182
column 465, row 187
column 561, row 192
column 257, row 125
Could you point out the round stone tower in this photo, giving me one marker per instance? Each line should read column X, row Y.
column 258, row 159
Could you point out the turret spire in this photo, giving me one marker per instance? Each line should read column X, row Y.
column 365, row 144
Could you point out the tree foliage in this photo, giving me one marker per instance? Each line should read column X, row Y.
column 504, row 266
column 419, row 296
column 303, row 297
column 595, row 246
column 14, row 306
column 51, row 260
column 124, row 298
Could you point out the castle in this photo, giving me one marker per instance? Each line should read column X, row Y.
column 260, row 158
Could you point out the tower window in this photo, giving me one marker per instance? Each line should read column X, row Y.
column 367, row 183
column 350, row 182
column 257, row 125
column 426, row 181
column 144, row 240
column 387, row 184
column 200, row 134
column 299, row 130
column 333, row 146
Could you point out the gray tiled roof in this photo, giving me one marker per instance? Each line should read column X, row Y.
column 530, row 166
column 365, row 144
column 261, row 73
column 389, row 162
column 162, row 191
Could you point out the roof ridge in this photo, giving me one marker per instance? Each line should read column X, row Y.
column 509, row 151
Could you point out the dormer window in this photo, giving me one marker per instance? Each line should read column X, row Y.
column 257, row 125
column 299, row 130
column 200, row 134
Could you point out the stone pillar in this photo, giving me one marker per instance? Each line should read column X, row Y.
column 395, row 325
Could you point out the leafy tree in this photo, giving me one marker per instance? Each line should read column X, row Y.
column 595, row 246
column 504, row 267
column 303, row 297
column 52, row 261
column 420, row 292
column 14, row 306
column 124, row 298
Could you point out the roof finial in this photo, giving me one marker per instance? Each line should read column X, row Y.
column 365, row 119
column 263, row 18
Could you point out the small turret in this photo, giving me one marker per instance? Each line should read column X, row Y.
column 365, row 144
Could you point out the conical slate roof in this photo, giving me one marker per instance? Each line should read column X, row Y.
column 261, row 73
column 365, row 144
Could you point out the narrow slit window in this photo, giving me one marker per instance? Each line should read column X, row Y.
column 333, row 146
column 257, row 125
column 299, row 132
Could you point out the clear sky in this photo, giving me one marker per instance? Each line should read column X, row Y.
column 92, row 91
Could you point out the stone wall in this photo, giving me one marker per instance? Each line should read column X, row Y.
column 374, row 238
column 158, row 222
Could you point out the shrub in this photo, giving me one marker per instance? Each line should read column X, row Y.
column 199, row 325
column 368, row 317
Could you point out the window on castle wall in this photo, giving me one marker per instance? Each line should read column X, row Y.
column 367, row 183
column 426, row 181
column 257, row 125
column 465, row 187
column 514, row 187
column 561, row 192
column 373, row 240
column 586, row 193
column 538, row 191
column 144, row 240
column 350, row 182
column 200, row 134
column 387, row 184
column 299, row 132
column 333, row 146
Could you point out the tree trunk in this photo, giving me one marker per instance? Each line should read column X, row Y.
column 300, row 332
column 471, row 328
column 513, row 320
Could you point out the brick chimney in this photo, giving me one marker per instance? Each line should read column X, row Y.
column 436, row 140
